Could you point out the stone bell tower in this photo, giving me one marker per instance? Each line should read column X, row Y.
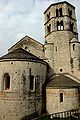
column 60, row 29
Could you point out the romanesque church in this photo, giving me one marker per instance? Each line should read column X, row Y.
column 36, row 77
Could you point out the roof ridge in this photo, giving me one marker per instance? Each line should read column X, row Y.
column 23, row 39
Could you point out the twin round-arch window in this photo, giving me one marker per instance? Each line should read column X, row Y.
column 6, row 82
column 60, row 25
column 59, row 12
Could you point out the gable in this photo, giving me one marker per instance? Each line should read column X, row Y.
column 29, row 44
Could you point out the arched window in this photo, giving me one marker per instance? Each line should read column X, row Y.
column 61, row 97
column 59, row 12
column 56, row 12
column 6, row 81
column 60, row 25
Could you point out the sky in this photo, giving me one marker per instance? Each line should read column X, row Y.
column 19, row 18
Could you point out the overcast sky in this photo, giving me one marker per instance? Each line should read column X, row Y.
column 25, row 17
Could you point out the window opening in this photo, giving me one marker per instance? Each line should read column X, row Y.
column 61, row 97
column 59, row 12
column 56, row 12
column 56, row 48
column 61, row 70
column 32, row 82
column 49, row 28
column 70, row 12
column 73, row 46
column 6, row 81
column 26, row 47
column 60, row 25
column 48, row 16
column 71, row 26
column 43, row 50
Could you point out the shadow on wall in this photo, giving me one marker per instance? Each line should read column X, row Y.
column 31, row 116
column 50, row 74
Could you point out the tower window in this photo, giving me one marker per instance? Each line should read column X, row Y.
column 6, row 81
column 61, row 97
column 59, row 12
column 56, row 12
column 60, row 25
column 71, row 26
column 32, row 83
column 70, row 12
column 48, row 16
column 73, row 46
column 49, row 29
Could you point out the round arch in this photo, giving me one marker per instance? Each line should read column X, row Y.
column 6, row 81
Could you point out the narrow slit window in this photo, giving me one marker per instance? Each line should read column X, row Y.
column 49, row 29
column 56, row 48
column 48, row 16
column 71, row 26
column 58, row 27
column 56, row 12
column 32, row 83
column 61, row 97
column 70, row 12
column 60, row 11
column 73, row 46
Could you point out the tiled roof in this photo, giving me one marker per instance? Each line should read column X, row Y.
column 58, row 4
column 62, row 81
column 20, row 54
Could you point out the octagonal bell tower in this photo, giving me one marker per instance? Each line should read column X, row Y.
column 60, row 29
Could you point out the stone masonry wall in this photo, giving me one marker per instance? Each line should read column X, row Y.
column 19, row 101
column 70, row 100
